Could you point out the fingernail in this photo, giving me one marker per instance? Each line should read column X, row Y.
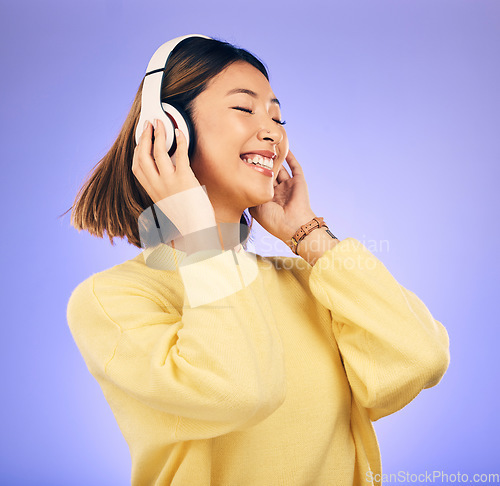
column 155, row 123
column 177, row 132
column 146, row 125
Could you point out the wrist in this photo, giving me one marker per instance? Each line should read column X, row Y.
column 312, row 239
column 315, row 244
column 295, row 225
column 189, row 210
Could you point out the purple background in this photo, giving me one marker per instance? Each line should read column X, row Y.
column 393, row 110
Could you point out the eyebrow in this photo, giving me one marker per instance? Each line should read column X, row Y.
column 251, row 93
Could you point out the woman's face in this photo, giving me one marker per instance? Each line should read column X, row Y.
column 225, row 132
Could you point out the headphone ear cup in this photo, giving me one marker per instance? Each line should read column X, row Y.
column 179, row 119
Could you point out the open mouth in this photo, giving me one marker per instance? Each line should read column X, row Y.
column 258, row 163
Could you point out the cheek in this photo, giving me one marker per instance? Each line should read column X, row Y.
column 206, row 141
column 283, row 150
column 218, row 133
column 284, row 146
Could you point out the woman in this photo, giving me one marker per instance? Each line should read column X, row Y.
column 222, row 366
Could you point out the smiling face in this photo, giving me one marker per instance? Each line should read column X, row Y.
column 225, row 132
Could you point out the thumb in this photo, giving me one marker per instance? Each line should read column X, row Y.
column 181, row 152
column 254, row 212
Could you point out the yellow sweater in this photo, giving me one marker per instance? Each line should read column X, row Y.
column 235, row 369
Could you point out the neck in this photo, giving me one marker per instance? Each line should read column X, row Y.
column 228, row 219
column 229, row 233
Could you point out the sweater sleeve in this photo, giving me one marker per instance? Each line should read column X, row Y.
column 209, row 354
column 390, row 344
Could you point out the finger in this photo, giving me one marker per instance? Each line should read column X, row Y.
column 135, row 165
column 143, row 156
column 145, row 141
column 162, row 159
column 181, row 152
column 283, row 175
column 293, row 164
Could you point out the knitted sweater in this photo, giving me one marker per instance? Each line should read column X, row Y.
column 238, row 369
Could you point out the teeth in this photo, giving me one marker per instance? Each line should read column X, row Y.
column 259, row 160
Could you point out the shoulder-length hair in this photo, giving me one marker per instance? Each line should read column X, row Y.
column 112, row 199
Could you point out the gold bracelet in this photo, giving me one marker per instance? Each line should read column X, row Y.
column 304, row 230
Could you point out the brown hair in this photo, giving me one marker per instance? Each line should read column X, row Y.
column 112, row 199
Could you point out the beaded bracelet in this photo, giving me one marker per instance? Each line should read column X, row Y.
column 304, row 230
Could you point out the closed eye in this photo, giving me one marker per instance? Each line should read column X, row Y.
column 242, row 109
column 246, row 110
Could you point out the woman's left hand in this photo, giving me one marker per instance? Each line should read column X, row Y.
column 290, row 207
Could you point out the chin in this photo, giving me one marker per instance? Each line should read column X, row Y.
column 262, row 199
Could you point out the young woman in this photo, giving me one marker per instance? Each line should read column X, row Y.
column 222, row 366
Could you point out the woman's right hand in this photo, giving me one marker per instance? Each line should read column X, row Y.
column 173, row 188
column 155, row 170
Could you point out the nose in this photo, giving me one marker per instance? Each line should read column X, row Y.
column 270, row 133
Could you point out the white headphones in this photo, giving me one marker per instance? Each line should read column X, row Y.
column 151, row 105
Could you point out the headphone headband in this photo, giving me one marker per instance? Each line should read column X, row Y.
column 151, row 105
column 161, row 55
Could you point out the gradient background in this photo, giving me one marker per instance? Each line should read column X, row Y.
column 393, row 111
